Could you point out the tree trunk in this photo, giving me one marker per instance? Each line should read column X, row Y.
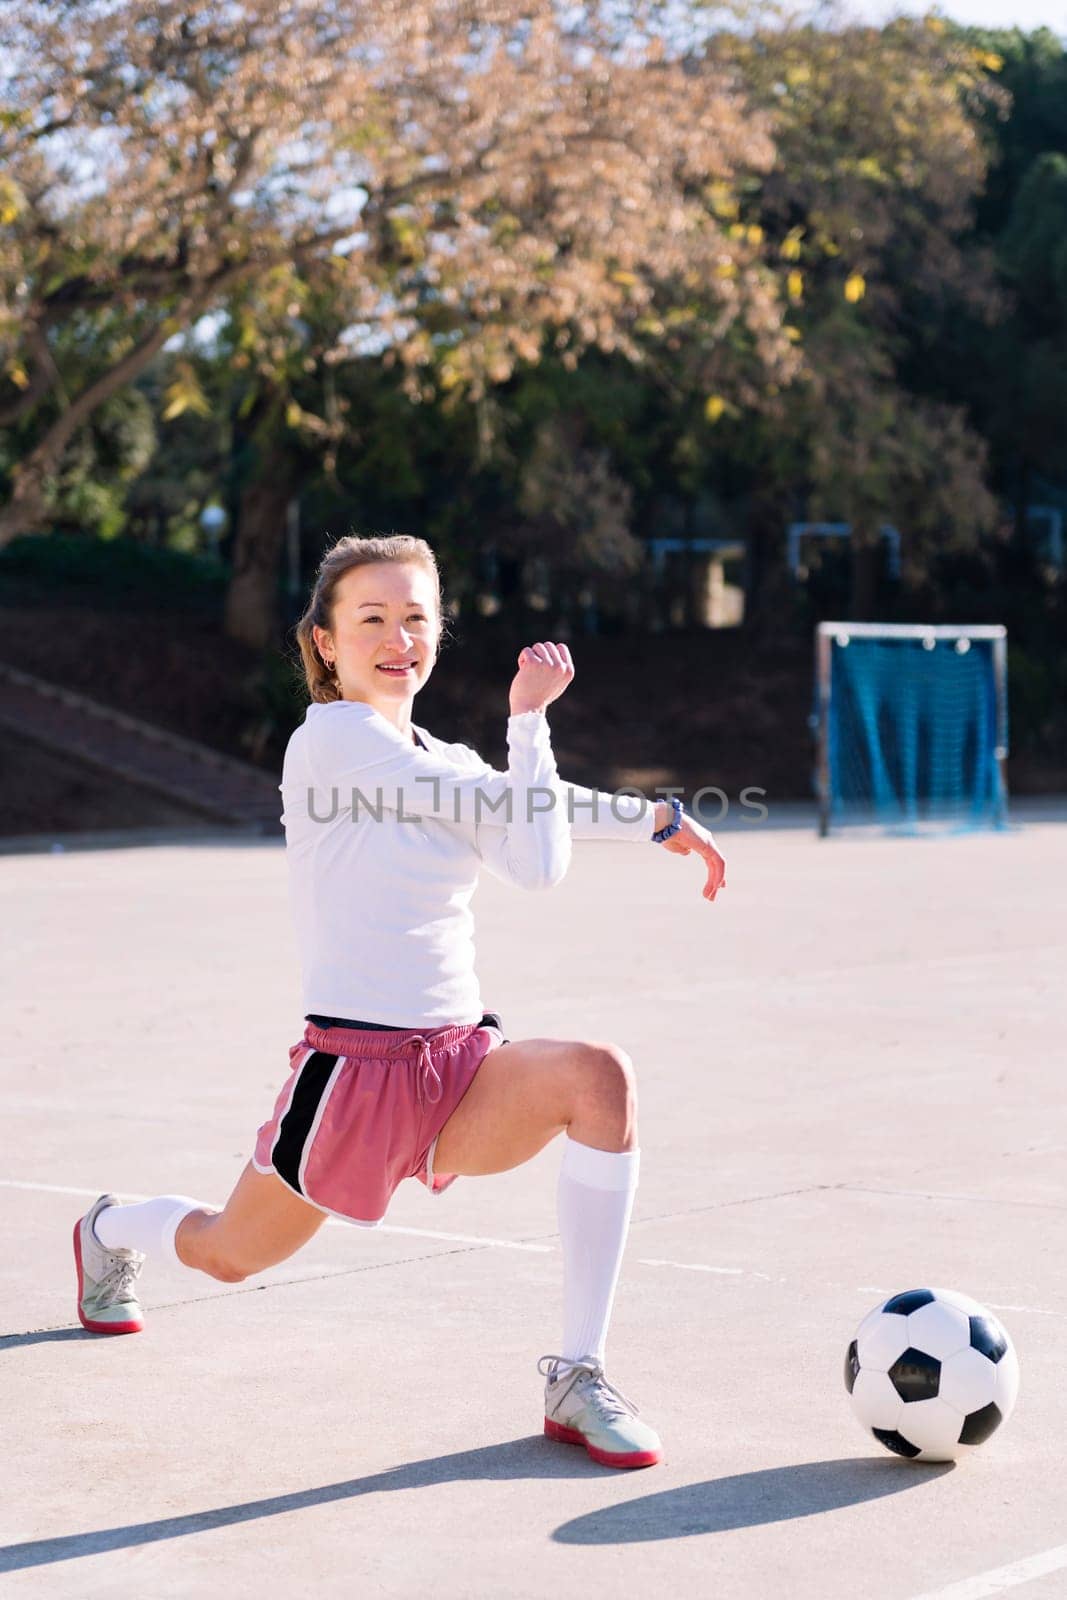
column 864, row 578
column 770, row 590
column 1022, row 503
column 252, row 597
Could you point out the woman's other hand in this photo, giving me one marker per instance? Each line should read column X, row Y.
column 545, row 670
column 691, row 839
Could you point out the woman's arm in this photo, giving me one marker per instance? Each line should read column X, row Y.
column 544, row 672
column 364, row 764
column 594, row 815
column 530, row 844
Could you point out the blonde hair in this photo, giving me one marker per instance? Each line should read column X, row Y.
column 349, row 552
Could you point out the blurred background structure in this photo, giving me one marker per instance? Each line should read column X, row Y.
column 606, row 305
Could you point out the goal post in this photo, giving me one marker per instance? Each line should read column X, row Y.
column 912, row 725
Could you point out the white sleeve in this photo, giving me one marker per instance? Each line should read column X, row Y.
column 528, row 842
column 372, row 767
column 593, row 814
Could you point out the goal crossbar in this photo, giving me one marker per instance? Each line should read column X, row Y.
column 913, row 630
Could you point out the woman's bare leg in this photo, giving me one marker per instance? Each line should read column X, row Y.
column 262, row 1223
column 523, row 1095
column 527, row 1092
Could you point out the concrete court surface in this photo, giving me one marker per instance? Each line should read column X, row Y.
column 852, row 1072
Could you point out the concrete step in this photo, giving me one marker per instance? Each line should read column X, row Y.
column 208, row 783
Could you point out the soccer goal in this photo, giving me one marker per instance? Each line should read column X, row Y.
column 912, row 725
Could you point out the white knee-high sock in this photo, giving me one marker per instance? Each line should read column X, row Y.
column 149, row 1226
column 595, row 1198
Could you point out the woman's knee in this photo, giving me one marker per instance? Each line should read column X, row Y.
column 200, row 1243
column 225, row 1271
column 219, row 1263
column 606, row 1076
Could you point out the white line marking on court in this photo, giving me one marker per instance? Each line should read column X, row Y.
column 454, row 1238
column 335, row 1222
column 1001, row 1578
column 477, row 1239
column 690, row 1266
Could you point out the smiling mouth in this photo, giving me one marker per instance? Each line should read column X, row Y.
column 397, row 669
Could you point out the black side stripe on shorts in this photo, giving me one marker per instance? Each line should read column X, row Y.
column 297, row 1121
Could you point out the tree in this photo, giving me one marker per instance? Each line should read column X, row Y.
column 870, row 208
column 1016, row 380
column 475, row 181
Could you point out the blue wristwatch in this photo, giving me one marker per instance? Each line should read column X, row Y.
column 673, row 826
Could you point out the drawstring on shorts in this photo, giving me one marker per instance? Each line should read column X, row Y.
column 428, row 1073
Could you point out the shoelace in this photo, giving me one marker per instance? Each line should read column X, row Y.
column 606, row 1400
column 120, row 1278
column 428, row 1073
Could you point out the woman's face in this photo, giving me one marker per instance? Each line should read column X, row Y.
column 384, row 635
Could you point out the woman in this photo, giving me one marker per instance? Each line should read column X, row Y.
column 399, row 1072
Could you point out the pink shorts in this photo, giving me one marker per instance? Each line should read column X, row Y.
column 362, row 1110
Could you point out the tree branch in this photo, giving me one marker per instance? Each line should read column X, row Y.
column 46, row 377
column 25, row 510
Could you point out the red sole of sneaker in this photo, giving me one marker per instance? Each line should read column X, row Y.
column 634, row 1458
column 95, row 1327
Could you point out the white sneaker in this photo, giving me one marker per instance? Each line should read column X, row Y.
column 582, row 1407
column 107, row 1300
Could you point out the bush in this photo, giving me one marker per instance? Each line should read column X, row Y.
column 109, row 573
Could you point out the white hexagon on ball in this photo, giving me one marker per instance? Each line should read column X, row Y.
column 939, row 1330
column 933, row 1427
column 875, row 1401
column 968, row 1381
column 881, row 1340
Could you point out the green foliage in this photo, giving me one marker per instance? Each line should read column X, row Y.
column 1032, row 71
column 1012, row 376
column 1034, row 242
column 109, row 574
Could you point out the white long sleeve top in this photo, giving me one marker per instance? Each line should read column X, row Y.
column 385, row 842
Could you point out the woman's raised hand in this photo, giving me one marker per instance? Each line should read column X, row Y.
column 545, row 670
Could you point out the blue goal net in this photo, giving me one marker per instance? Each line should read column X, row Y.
column 913, row 726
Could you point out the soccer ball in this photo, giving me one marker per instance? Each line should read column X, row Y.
column 931, row 1374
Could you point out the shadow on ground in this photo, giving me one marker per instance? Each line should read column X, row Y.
column 530, row 1457
column 12, row 1341
column 742, row 1501
column 747, row 1500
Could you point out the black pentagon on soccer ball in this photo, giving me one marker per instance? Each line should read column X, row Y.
column 980, row 1424
column 916, row 1375
column 911, row 1300
column 852, row 1366
column 896, row 1442
column 988, row 1337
